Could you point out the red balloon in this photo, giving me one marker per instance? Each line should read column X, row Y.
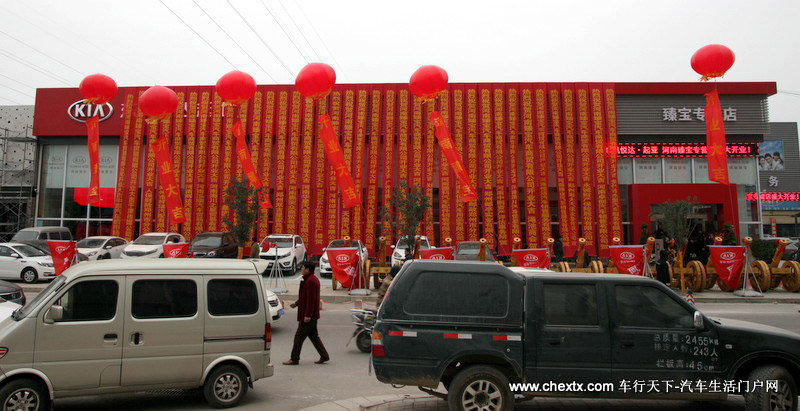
column 98, row 88
column 428, row 81
column 158, row 102
column 712, row 60
column 315, row 80
column 236, row 87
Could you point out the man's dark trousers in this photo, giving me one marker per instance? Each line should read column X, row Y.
column 307, row 330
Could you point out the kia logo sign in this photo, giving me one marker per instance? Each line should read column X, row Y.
column 80, row 111
column 343, row 258
column 627, row 255
column 79, row 160
column 437, row 257
column 531, row 258
column 106, row 160
column 175, row 252
column 728, row 255
column 62, row 249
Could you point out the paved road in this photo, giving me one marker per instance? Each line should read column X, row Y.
column 346, row 376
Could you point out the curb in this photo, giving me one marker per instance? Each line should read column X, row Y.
column 369, row 403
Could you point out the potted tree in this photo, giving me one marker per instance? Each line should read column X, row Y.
column 409, row 204
column 242, row 198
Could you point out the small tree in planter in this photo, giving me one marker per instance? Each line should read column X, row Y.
column 409, row 204
column 242, row 198
column 676, row 223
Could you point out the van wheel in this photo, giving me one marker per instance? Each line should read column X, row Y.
column 481, row 388
column 225, row 386
column 29, row 275
column 25, row 394
column 784, row 398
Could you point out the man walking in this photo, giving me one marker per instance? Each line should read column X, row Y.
column 307, row 315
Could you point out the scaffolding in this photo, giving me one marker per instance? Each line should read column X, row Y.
column 17, row 181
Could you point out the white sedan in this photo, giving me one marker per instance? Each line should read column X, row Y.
column 150, row 245
column 276, row 310
column 289, row 251
column 25, row 262
column 101, row 247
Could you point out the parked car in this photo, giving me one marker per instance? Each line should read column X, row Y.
column 214, row 244
column 101, row 247
column 22, row 261
column 150, row 245
column 198, row 324
column 402, row 251
column 470, row 250
column 325, row 266
column 289, row 251
column 12, row 292
column 537, row 330
column 276, row 310
column 39, row 235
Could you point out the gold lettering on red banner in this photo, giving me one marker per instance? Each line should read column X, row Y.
column 347, row 147
column 333, row 200
column 601, row 181
column 166, row 177
column 445, row 177
column 124, row 177
column 472, row 161
column 513, row 180
column 487, row 166
column 280, row 164
column 541, row 163
column 571, row 168
column 191, row 152
column 529, row 158
column 203, row 153
column 371, row 208
column 561, row 180
column 215, row 163
column 458, row 130
column 319, row 231
column 267, row 143
column 416, row 143
column 292, row 201
column 358, row 163
column 586, row 166
column 306, row 170
column 429, row 164
column 504, row 245
column 228, row 164
column 148, row 191
column 388, row 163
column 616, row 208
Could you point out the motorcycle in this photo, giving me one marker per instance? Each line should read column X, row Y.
column 364, row 320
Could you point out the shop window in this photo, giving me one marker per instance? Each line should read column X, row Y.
column 648, row 170
column 677, row 170
column 51, row 187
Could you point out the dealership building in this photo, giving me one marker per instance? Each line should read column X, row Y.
column 590, row 160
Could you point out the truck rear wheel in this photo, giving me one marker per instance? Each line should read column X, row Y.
column 480, row 387
column 783, row 398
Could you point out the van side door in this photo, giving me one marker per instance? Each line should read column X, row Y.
column 163, row 338
column 83, row 349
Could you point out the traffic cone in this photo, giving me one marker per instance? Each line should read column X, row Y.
column 689, row 296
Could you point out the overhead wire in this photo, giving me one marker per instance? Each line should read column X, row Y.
column 12, row 101
column 13, row 89
column 277, row 57
column 283, row 29
column 321, row 39
column 235, row 42
column 44, row 71
column 17, row 81
column 298, row 29
column 42, row 53
column 789, row 92
column 198, row 34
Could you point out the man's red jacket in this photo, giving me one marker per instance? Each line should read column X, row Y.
column 308, row 299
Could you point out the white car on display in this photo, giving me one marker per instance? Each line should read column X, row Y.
column 325, row 266
column 26, row 262
column 289, row 251
column 402, row 251
column 276, row 310
column 150, row 245
column 101, row 247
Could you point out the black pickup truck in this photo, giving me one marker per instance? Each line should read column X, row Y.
column 491, row 335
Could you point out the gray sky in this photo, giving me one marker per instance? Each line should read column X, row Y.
column 55, row 43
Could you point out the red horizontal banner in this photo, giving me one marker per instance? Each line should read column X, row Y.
column 81, row 196
column 780, row 196
column 748, row 149
column 176, row 250
column 629, row 259
column 532, row 257
column 444, row 253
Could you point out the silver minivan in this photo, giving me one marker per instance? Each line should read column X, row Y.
column 117, row 326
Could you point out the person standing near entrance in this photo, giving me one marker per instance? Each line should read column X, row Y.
column 307, row 315
column 255, row 249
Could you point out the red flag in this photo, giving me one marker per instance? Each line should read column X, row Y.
column 333, row 151
column 176, row 250
column 728, row 261
column 443, row 253
column 166, row 176
column 345, row 264
column 247, row 164
column 94, row 160
column 715, row 140
column 629, row 259
column 449, row 150
column 532, row 257
column 266, row 246
column 63, row 254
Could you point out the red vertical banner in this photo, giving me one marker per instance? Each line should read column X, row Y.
column 149, row 189
column 306, row 171
column 292, row 160
column 338, row 165
column 255, row 149
column 613, row 180
column 416, row 142
column 373, row 158
column 429, row 161
column 267, row 139
column 554, row 92
column 160, row 214
column 584, row 137
column 191, row 153
column 357, row 214
column 228, row 164
column 94, row 160
column 529, row 164
column 459, row 207
column 601, row 173
column 166, row 177
column 503, row 240
column 571, row 167
column 451, row 154
column 214, row 166
column 319, row 237
column 177, row 142
column 715, row 140
column 135, row 167
column 445, row 174
column 204, row 152
column 471, row 147
column 487, row 167
column 333, row 208
column 388, row 160
column 124, row 177
column 513, row 155
column 279, row 225
column 348, row 129
column 243, row 152
column 403, row 137
column 540, row 96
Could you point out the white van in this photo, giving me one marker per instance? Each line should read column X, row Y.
column 133, row 325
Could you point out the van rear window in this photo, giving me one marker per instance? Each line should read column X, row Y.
column 164, row 299
column 232, row 297
column 458, row 295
